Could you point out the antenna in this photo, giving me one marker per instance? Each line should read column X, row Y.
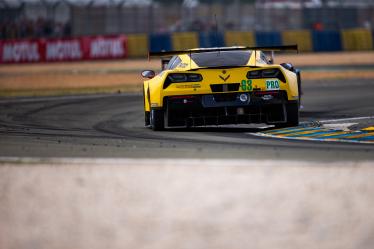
column 190, row 59
column 216, row 31
column 255, row 56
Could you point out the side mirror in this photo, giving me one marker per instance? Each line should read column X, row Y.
column 288, row 66
column 149, row 74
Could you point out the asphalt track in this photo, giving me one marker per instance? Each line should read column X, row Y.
column 130, row 191
column 98, row 126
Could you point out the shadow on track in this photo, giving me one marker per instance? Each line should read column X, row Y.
column 219, row 129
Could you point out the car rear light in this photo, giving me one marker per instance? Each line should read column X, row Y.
column 177, row 77
column 272, row 73
column 266, row 73
column 254, row 74
column 194, row 77
column 182, row 77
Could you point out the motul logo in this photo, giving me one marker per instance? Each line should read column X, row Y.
column 61, row 50
column 22, row 51
column 107, row 48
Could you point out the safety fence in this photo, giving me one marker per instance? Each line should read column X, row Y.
column 138, row 45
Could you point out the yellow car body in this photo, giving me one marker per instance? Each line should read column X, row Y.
column 218, row 86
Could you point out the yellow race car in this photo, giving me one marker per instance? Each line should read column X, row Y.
column 216, row 86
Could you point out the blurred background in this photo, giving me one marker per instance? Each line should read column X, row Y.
column 142, row 25
column 55, row 18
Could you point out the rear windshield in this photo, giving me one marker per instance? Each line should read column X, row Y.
column 221, row 59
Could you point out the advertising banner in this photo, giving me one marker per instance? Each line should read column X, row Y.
column 107, row 47
column 72, row 49
column 21, row 51
column 63, row 50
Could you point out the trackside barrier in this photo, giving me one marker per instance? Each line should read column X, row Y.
column 357, row 39
column 185, row 40
column 211, row 39
column 160, row 42
column 74, row 49
column 326, row 41
column 19, row 51
column 268, row 38
column 137, row 45
column 239, row 38
column 302, row 38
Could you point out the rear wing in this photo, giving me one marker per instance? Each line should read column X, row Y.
column 219, row 49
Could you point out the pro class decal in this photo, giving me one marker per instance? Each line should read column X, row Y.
column 272, row 84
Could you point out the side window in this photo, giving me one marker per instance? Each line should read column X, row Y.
column 174, row 62
column 170, row 62
column 263, row 58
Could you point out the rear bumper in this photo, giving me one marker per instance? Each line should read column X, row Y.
column 226, row 108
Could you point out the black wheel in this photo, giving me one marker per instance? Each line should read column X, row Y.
column 298, row 73
column 292, row 115
column 157, row 120
column 146, row 114
column 147, row 121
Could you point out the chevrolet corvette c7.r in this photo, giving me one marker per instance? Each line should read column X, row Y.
column 216, row 86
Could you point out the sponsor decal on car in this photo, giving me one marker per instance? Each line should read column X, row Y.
column 272, row 84
column 246, row 85
column 188, row 86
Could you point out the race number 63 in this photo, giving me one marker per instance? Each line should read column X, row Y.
column 246, row 85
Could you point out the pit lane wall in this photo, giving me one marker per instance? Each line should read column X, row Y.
column 138, row 45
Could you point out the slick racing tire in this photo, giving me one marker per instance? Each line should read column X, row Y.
column 147, row 121
column 292, row 115
column 157, row 120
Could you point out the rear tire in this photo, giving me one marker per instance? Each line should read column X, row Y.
column 292, row 115
column 298, row 73
column 147, row 121
column 146, row 114
column 157, row 120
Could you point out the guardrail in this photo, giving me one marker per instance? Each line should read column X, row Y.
column 138, row 45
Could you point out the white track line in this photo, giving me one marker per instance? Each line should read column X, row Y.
column 339, row 126
column 179, row 162
column 67, row 97
column 346, row 119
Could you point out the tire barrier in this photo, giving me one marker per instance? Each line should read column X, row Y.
column 239, row 38
column 211, row 39
column 137, row 45
column 185, row 40
column 357, row 39
column 160, row 42
column 300, row 37
column 326, row 41
column 268, row 38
